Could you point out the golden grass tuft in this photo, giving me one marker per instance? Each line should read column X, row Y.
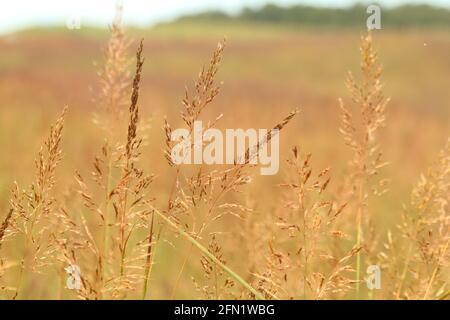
column 116, row 222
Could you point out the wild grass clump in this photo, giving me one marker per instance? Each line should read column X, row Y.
column 416, row 256
column 116, row 223
column 32, row 215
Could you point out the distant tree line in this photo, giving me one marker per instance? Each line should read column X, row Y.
column 355, row 16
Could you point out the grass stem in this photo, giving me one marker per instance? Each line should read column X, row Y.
column 205, row 251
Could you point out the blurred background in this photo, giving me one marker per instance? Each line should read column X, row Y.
column 280, row 55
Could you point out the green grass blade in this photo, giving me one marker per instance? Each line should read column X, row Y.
column 205, row 251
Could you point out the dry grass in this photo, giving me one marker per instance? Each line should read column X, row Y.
column 417, row 256
column 360, row 135
column 304, row 245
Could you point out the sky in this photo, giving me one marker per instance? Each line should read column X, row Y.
column 20, row 14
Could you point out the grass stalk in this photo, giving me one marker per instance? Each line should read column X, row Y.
column 436, row 269
column 205, row 251
column 148, row 264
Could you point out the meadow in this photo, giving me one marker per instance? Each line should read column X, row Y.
column 362, row 183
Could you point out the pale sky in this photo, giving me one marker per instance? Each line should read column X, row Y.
column 18, row 14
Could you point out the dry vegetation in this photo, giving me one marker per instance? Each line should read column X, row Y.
column 314, row 242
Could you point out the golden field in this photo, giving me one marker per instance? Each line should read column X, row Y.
column 291, row 235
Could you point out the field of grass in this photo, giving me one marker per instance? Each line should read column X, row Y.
column 264, row 235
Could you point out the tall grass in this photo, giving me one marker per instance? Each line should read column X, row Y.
column 312, row 243
column 360, row 135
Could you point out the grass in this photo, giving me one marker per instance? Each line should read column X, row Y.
column 123, row 211
column 211, row 256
